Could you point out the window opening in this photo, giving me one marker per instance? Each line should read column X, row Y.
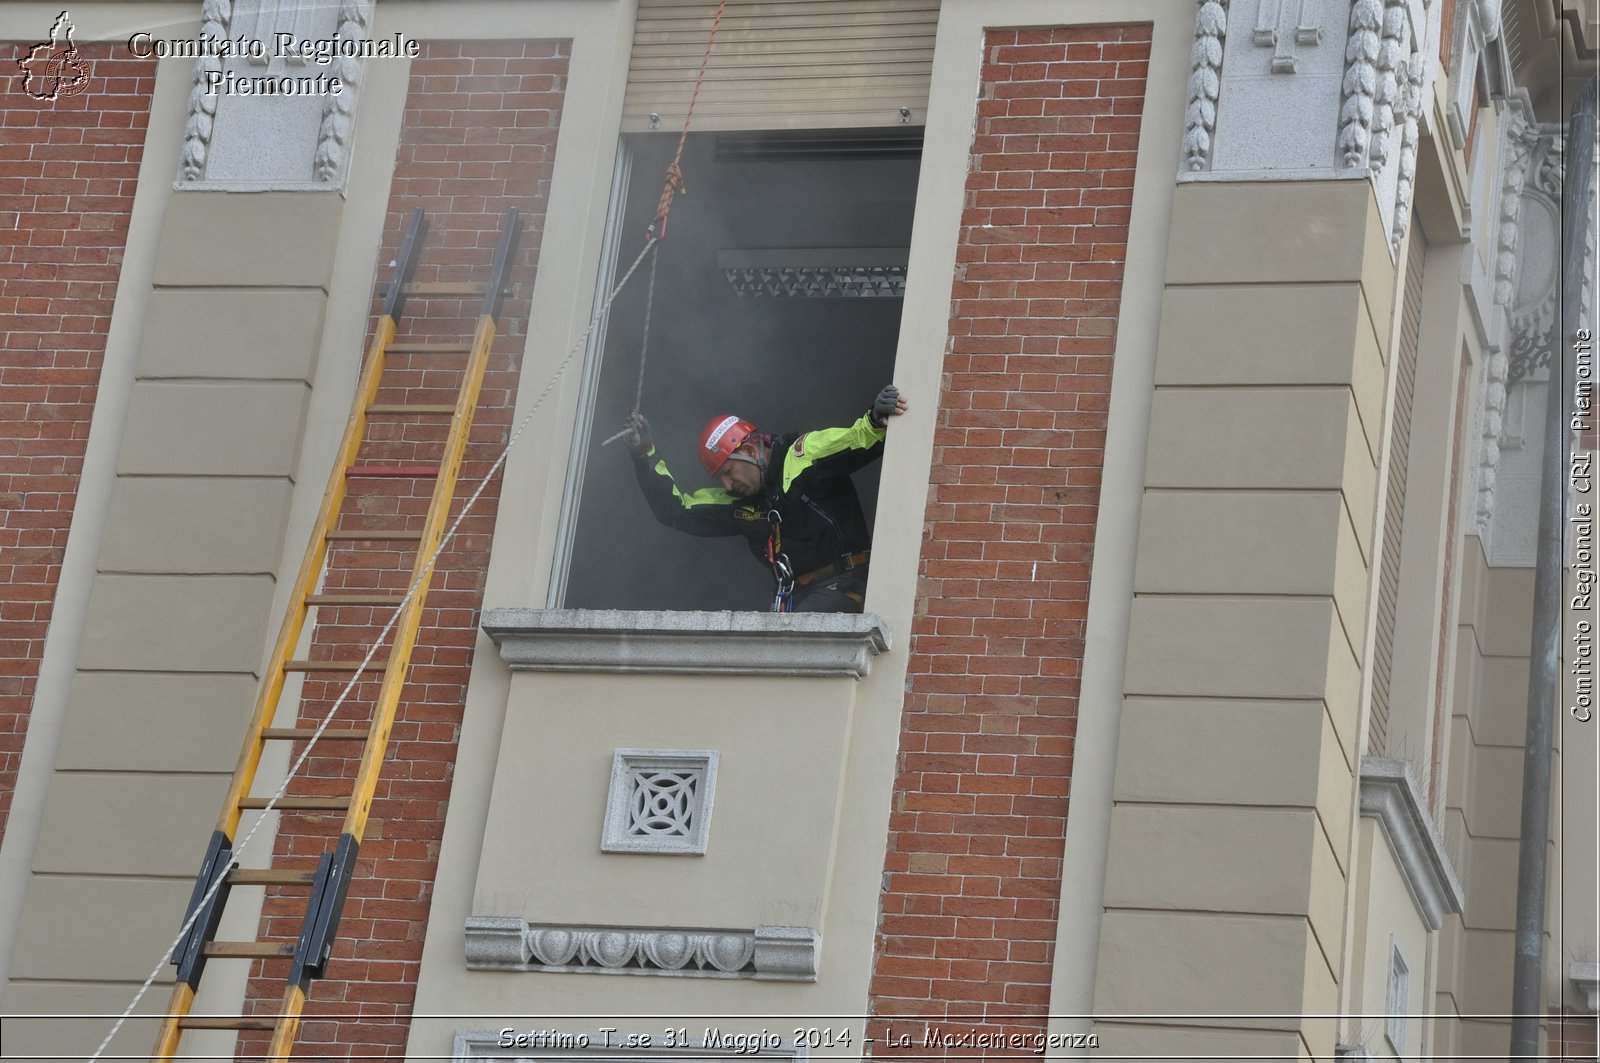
column 1398, row 1000
column 777, row 298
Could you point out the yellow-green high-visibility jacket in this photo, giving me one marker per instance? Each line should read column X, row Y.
column 807, row 483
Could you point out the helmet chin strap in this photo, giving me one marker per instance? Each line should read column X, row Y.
column 760, row 463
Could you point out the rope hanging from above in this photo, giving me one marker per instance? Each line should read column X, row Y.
column 674, row 179
column 670, row 188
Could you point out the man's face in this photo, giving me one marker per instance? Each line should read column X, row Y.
column 741, row 479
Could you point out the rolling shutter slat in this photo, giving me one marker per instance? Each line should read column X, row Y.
column 793, row 64
column 1395, row 497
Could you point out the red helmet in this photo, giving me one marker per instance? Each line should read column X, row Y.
column 720, row 438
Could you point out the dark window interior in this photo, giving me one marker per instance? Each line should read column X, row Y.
column 791, row 213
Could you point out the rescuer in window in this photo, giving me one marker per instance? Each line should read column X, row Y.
column 790, row 496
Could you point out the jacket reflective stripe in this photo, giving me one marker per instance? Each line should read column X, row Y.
column 827, row 442
column 706, row 496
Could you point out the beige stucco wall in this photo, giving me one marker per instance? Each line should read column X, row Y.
column 1483, row 801
column 1386, row 918
column 1483, row 810
column 1248, row 624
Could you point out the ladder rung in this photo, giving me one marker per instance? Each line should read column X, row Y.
column 214, row 1022
column 298, row 804
column 404, row 347
column 332, row 734
column 395, row 407
column 407, row 471
column 376, row 665
column 354, row 599
column 374, row 534
column 270, row 876
column 458, row 288
column 249, row 949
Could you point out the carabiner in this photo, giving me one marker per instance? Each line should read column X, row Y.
column 782, row 600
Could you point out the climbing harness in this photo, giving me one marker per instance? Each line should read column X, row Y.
column 845, row 564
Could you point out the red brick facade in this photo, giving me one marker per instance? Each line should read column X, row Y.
column 67, row 173
column 1572, row 1036
column 973, row 876
column 478, row 137
column 1447, row 32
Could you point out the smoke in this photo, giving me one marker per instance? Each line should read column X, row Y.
column 787, row 363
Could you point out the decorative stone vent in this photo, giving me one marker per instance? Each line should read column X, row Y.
column 785, row 953
column 660, row 801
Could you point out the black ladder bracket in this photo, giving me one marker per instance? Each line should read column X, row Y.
column 189, row 954
column 323, row 910
column 394, row 300
column 495, row 291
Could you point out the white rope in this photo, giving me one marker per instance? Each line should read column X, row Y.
column 394, row 618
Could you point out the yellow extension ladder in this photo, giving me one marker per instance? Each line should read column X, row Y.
column 327, row 886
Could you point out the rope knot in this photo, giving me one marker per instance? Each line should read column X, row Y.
column 672, row 185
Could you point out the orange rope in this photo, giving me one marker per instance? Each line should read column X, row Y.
column 674, row 182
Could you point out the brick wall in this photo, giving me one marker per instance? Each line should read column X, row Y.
column 1447, row 32
column 973, row 875
column 67, row 174
column 1572, row 1036
column 478, row 136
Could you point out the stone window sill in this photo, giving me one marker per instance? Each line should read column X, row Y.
column 705, row 643
column 1390, row 795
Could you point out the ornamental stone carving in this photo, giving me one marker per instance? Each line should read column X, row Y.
column 338, row 112
column 1282, row 24
column 1205, row 82
column 215, row 16
column 782, row 953
column 1406, row 182
column 1360, row 82
column 1527, row 278
column 277, row 109
column 1393, row 66
column 1353, row 106
column 1523, row 333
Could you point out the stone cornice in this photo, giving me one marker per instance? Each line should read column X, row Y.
column 784, row 953
column 728, row 643
column 1389, row 794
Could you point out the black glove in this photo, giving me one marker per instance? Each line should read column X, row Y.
column 636, row 434
column 888, row 404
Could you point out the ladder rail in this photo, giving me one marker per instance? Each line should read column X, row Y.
column 330, row 883
column 267, row 699
column 305, row 583
column 404, row 641
column 405, row 630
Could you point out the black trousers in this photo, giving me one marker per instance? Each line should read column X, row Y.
column 844, row 593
